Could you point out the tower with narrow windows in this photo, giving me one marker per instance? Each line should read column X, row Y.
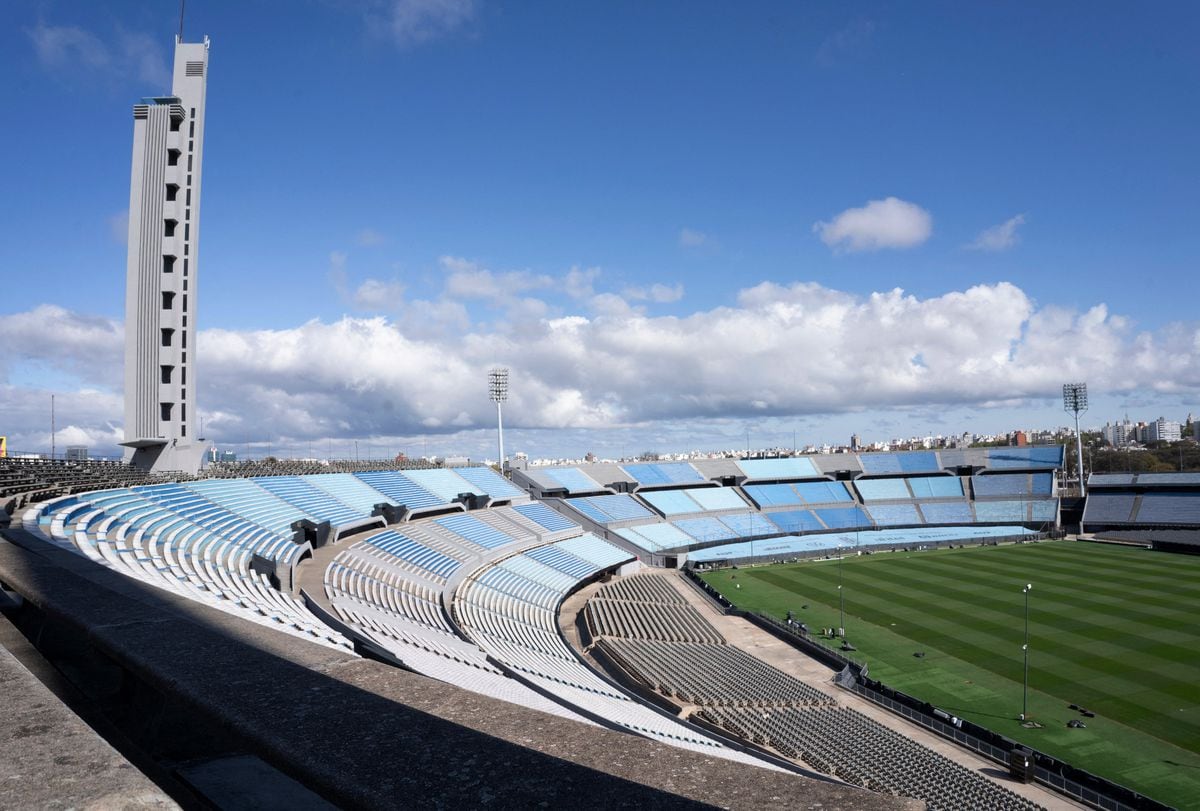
column 160, row 280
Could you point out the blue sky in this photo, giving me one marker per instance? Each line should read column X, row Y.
column 661, row 216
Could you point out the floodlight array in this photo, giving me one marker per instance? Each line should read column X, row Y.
column 498, row 384
column 1075, row 397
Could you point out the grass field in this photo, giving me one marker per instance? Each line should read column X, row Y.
column 1113, row 629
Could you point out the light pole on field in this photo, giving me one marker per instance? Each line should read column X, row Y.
column 1025, row 648
column 841, row 598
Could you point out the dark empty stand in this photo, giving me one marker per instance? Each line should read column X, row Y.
column 1109, row 508
column 1169, row 508
column 1133, row 503
column 843, row 742
column 733, row 691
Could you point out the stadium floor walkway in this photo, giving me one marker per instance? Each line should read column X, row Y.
column 776, row 652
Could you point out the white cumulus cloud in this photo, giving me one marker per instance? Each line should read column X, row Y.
column 778, row 350
column 887, row 223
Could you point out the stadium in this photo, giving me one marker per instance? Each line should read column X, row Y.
column 569, row 596
column 947, row 629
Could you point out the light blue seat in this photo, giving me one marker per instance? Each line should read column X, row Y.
column 545, row 517
column 1043, row 509
column 562, row 561
column 655, row 473
column 894, row 515
column 400, row 489
column 999, row 511
column 796, row 521
column 936, row 487
column 475, row 531
column 748, row 524
column 671, row 502
column 646, row 474
column 446, row 484
column 218, row 519
column 355, row 493
column 716, row 498
column 507, row 581
column 705, row 529
column 572, row 479
column 772, row 495
column 843, row 517
column 655, row 537
column 822, row 492
column 617, row 507
column 531, row 569
column 947, row 512
column 778, row 469
column 407, row 549
column 597, row 551
column 585, row 506
column 882, row 489
column 245, row 498
column 490, row 482
column 1004, row 484
column 311, row 500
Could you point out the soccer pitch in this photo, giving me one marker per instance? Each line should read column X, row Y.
column 1113, row 629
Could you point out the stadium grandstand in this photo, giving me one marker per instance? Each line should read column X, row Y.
column 463, row 577
column 1157, row 509
column 667, row 513
column 459, row 575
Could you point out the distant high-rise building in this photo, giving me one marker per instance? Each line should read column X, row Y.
column 1162, row 430
column 160, row 276
column 1120, row 434
column 854, row 442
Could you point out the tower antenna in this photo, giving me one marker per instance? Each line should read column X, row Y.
column 182, row 5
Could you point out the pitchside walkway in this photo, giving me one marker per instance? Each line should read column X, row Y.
column 774, row 651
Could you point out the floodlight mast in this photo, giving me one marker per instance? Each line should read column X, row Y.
column 498, row 391
column 1075, row 401
column 1025, row 649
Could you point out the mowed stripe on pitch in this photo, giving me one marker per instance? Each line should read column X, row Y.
column 1134, row 655
column 1059, row 668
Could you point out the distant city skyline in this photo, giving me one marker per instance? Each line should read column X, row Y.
column 672, row 223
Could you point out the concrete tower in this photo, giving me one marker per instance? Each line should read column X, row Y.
column 160, row 280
